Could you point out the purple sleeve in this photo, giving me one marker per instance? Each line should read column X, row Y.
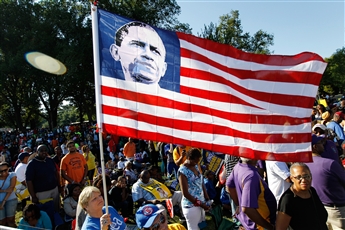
column 230, row 181
column 251, row 191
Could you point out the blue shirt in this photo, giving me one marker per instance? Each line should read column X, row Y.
column 194, row 185
column 338, row 130
column 117, row 222
column 211, row 190
column 42, row 223
column 7, row 184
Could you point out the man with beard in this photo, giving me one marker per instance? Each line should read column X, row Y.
column 42, row 178
column 73, row 167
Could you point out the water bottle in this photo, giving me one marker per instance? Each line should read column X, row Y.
column 209, row 203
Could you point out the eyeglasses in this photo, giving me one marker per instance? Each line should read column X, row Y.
column 305, row 177
column 157, row 225
column 5, row 170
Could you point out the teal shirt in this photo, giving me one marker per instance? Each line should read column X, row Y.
column 43, row 223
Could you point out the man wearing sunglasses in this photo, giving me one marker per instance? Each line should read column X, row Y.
column 149, row 217
column 329, row 183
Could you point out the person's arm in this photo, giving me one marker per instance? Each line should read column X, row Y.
column 64, row 175
column 184, row 189
column 178, row 158
column 255, row 216
column 87, row 156
column 9, row 190
column 233, row 194
column 283, row 221
column 47, row 224
column 205, row 192
column 67, row 207
column 85, row 174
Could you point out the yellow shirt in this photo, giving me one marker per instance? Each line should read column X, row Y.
column 176, row 226
column 91, row 161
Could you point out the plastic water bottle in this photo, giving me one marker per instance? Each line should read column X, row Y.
column 209, row 203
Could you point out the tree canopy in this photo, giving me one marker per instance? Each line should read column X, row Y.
column 229, row 31
column 333, row 80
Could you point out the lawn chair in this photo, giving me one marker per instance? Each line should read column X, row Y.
column 221, row 223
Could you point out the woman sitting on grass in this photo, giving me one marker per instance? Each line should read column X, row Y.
column 33, row 218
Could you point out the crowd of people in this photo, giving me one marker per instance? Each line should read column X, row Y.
column 62, row 169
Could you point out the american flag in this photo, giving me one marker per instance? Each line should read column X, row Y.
column 212, row 96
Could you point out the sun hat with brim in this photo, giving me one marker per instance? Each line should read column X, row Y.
column 146, row 215
column 321, row 126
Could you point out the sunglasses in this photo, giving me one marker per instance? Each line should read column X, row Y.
column 157, row 225
column 305, row 177
column 5, row 170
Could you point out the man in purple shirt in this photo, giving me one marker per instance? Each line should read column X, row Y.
column 329, row 183
column 330, row 148
column 257, row 205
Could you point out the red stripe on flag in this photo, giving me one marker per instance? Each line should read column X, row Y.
column 231, row 116
column 230, row 51
column 274, row 98
column 204, row 127
column 263, row 75
column 233, row 150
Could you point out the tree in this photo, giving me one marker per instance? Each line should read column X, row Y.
column 229, row 31
column 333, row 78
column 60, row 29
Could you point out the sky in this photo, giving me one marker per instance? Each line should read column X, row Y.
column 297, row 26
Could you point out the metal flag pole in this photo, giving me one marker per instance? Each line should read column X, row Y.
column 98, row 93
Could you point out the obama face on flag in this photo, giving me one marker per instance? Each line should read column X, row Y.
column 141, row 52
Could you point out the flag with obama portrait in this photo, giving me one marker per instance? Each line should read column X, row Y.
column 172, row 87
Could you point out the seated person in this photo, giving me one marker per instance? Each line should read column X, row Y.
column 146, row 191
column 110, row 165
column 122, row 163
column 155, row 173
column 151, row 217
column 70, row 201
column 208, row 181
column 225, row 199
column 121, row 198
column 33, row 218
column 129, row 173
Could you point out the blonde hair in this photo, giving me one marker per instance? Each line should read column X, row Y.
column 86, row 194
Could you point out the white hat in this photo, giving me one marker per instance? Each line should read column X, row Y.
column 321, row 126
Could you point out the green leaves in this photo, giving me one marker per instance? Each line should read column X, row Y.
column 229, row 31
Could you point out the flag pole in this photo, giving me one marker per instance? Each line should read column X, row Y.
column 98, row 93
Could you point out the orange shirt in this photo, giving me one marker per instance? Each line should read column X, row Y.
column 73, row 165
column 129, row 149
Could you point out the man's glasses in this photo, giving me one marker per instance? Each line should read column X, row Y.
column 157, row 225
column 305, row 177
column 5, row 170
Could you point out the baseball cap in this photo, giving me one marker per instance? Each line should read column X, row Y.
column 321, row 126
column 146, row 215
column 315, row 139
column 340, row 114
column 22, row 156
